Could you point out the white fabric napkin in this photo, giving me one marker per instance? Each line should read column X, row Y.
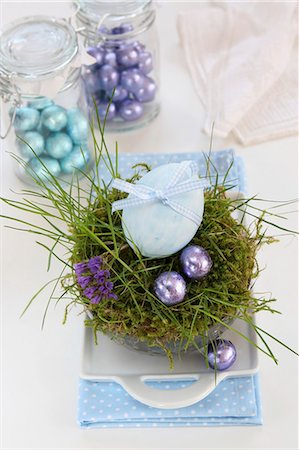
column 243, row 59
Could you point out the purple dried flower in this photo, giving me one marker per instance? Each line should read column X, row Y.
column 81, row 268
column 84, row 281
column 100, row 273
column 90, row 291
column 94, row 280
column 94, row 264
column 101, row 276
column 95, row 300
column 106, row 273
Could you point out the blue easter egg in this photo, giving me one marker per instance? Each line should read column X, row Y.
column 58, row 145
column 45, row 132
column 77, row 159
column 77, row 126
column 33, row 141
column 40, row 103
column 26, row 119
column 44, row 166
column 165, row 231
column 54, row 118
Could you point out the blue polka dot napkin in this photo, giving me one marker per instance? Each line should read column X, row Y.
column 235, row 401
column 224, row 162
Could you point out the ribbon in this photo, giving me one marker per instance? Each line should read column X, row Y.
column 145, row 194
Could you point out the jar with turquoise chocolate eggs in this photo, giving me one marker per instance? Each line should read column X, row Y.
column 121, row 36
column 46, row 126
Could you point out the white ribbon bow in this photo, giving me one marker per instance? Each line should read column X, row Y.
column 144, row 194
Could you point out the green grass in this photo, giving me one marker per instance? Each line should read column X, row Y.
column 78, row 219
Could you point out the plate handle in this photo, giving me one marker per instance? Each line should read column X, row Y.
column 170, row 398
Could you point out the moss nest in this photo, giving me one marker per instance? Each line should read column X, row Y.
column 219, row 298
column 78, row 220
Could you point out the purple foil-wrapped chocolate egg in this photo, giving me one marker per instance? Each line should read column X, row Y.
column 120, row 94
column 110, row 58
column 127, row 57
column 170, row 288
column 138, row 46
column 221, row 354
column 145, row 63
column 104, row 30
column 91, row 79
column 97, row 53
column 147, row 92
column 132, row 80
column 123, row 28
column 102, row 110
column 130, row 110
column 196, row 262
column 108, row 77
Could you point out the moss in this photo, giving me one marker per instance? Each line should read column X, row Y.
column 77, row 219
column 223, row 295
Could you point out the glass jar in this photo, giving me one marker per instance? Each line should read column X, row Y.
column 46, row 111
column 123, row 82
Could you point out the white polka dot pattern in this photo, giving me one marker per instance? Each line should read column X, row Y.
column 235, row 401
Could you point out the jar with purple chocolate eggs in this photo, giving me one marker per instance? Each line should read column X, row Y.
column 123, row 82
column 47, row 127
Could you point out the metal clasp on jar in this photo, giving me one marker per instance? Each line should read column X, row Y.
column 9, row 92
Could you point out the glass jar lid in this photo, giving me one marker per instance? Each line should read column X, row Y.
column 37, row 47
column 94, row 17
column 114, row 7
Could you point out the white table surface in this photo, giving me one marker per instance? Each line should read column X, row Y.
column 40, row 368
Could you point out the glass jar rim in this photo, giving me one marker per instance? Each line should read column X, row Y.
column 59, row 49
column 90, row 16
column 93, row 10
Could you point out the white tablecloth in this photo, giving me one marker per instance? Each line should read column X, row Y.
column 40, row 369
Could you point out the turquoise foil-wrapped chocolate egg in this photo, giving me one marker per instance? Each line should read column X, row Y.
column 44, row 166
column 59, row 145
column 77, row 126
column 78, row 159
column 54, row 118
column 26, row 119
column 40, row 103
column 32, row 144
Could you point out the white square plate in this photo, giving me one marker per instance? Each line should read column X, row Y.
column 112, row 361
